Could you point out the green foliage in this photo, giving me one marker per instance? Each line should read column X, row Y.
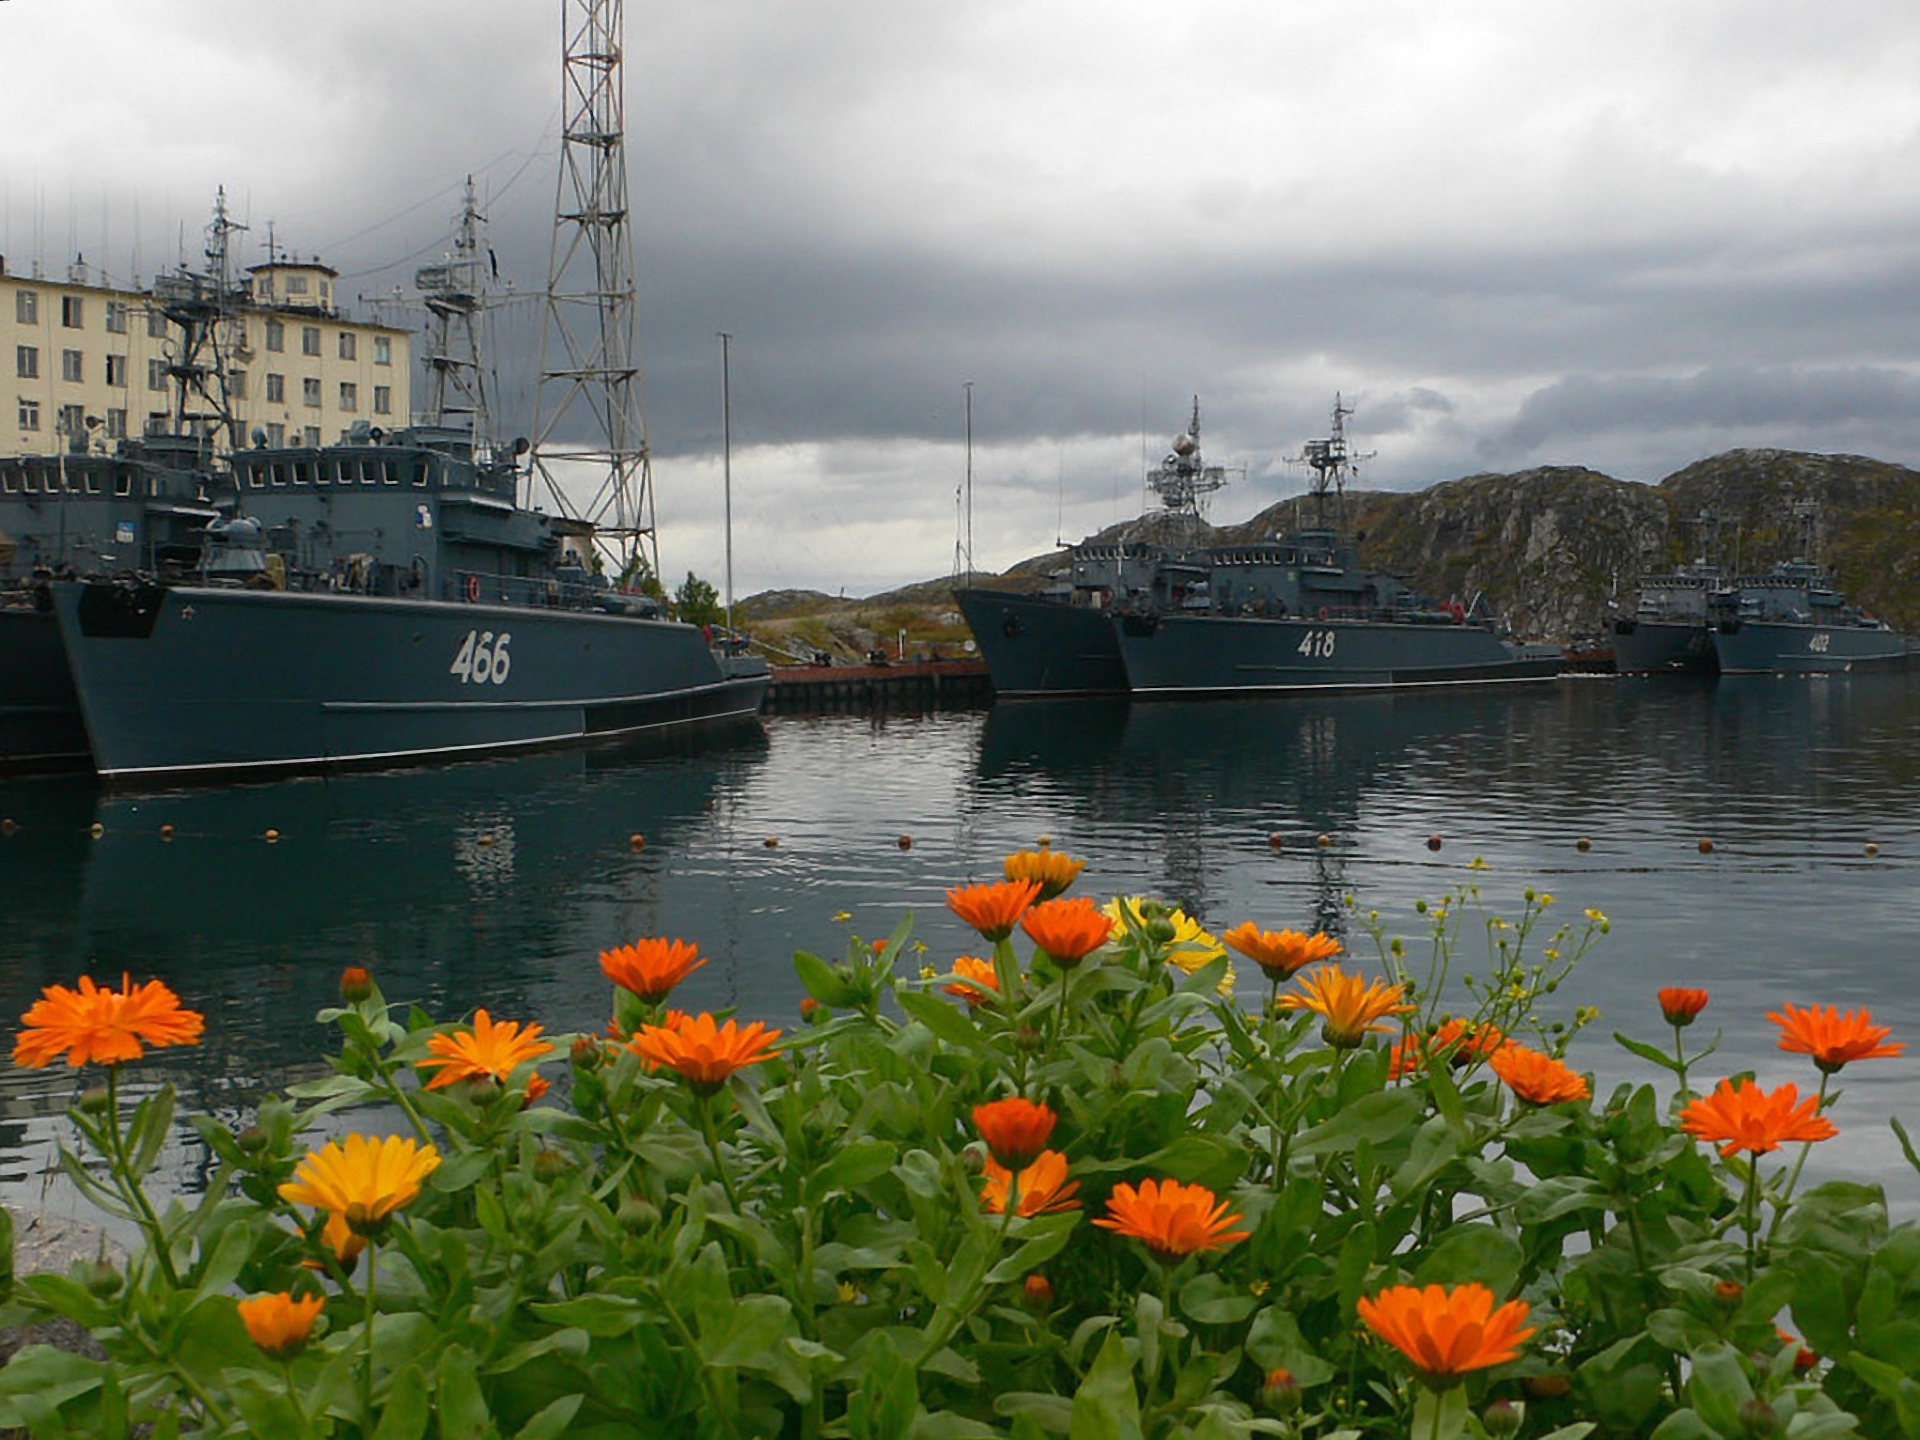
column 808, row 1252
column 696, row 601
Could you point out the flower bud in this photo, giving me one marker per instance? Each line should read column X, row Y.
column 549, row 1165
column 1501, row 1420
column 813, row 1012
column 95, row 1099
column 1759, row 1419
column 356, row 985
column 483, row 1090
column 1160, row 930
column 1548, row 1387
column 637, row 1214
column 1729, row 1293
column 586, row 1053
column 973, row 1159
column 100, row 1277
column 1280, row 1392
column 1038, row 1291
column 1026, row 1039
column 253, row 1140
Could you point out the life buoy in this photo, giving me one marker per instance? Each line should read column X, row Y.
column 1323, row 612
column 473, row 587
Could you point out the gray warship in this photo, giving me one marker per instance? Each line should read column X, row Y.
column 1794, row 620
column 1299, row 613
column 1670, row 630
column 1062, row 641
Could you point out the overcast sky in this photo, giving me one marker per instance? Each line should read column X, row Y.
column 1625, row 234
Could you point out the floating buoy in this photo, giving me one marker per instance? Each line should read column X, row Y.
column 1583, row 844
column 1872, row 849
column 166, row 832
column 771, row 842
column 1276, row 841
column 636, row 842
column 98, row 829
column 7, row 827
column 1324, row 842
column 1434, row 842
column 1706, row 846
column 272, row 837
column 906, row 842
column 486, row 840
column 1044, row 841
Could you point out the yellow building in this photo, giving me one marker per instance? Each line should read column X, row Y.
column 83, row 357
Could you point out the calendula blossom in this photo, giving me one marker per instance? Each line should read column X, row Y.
column 650, row 967
column 1833, row 1040
column 1681, row 1006
column 280, row 1324
column 1745, row 1117
column 977, row 981
column 1446, row 1333
column 94, row 1025
column 1052, row 871
column 703, row 1053
column 1016, row 1130
column 361, row 1178
column 1066, row 930
column 1044, row 1186
column 1536, row 1078
column 488, row 1047
column 1280, row 953
column 993, row 910
column 1171, row 1219
column 1350, row 1004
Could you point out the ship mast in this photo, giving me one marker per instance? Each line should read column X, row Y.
column 1333, row 464
column 203, row 305
column 589, row 422
column 454, row 292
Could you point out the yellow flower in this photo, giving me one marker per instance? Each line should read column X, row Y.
column 840, row 915
column 1052, row 871
column 364, row 1179
column 1192, row 945
column 1350, row 1004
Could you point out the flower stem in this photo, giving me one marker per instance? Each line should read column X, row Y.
column 130, row 1187
column 1793, row 1176
column 366, row 1378
column 707, row 1128
column 1680, row 1063
column 1752, row 1207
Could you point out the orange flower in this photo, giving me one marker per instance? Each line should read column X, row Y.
column 1067, row 930
column 103, row 1026
column 993, row 909
column 1172, row 1219
column 338, row 1237
column 1538, row 1079
column 536, row 1087
column 1052, row 871
column 1832, row 1039
column 1680, row 1006
column 1016, row 1130
column 356, row 984
column 363, row 1179
column 1280, row 952
column 1751, row 1119
column 650, row 968
column 1044, row 1186
column 280, row 1324
column 704, row 1053
column 1350, row 1004
column 1446, row 1334
column 977, row 977
column 1455, row 1041
column 487, row 1048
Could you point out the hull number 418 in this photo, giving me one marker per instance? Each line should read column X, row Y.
column 1317, row 644
column 483, row 658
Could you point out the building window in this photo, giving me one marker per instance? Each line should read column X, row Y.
column 156, row 374
column 349, row 396
column 276, row 389
column 156, row 324
column 116, row 317
column 157, row 422
column 73, row 419
column 237, row 384
column 26, row 307
column 309, row 339
column 72, row 312
column 310, row 391
column 347, row 346
column 73, row 366
column 117, row 371
column 383, row 349
column 26, row 361
column 311, row 435
column 29, row 414
column 116, row 424
column 276, row 335
column 277, row 436
column 296, row 284
column 383, row 399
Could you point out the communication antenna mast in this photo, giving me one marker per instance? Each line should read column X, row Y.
column 588, row 417
column 1333, row 464
column 454, row 292
column 202, row 305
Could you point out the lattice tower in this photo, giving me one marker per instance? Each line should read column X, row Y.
column 454, row 292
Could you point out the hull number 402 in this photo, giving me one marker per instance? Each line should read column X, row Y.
column 1317, row 644
column 1819, row 642
column 483, row 658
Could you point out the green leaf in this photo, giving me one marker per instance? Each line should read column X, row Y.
column 1651, row 1054
column 1212, row 1301
column 749, row 1333
column 1356, row 1259
column 404, row 1416
column 1472, row 1252
column 462, row 1408
column 457, row 1173
column 1718, row 1387
column 602, row 1315
column 1441, row 1416
column 550, row 1422
column 1384, row 1115
column 1105, row 1407
column 1579, row 1430
column 1036, row 1250
column 1558, row 1195
column 889, row 1394
column 853, row 1165
column 1275, row 1343
column 825, row 986
column 1683, row 1425
column 943, row 1020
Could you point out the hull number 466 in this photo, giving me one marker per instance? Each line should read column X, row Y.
column 483, row 658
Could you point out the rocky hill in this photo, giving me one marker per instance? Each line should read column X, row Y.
column 1549, row 546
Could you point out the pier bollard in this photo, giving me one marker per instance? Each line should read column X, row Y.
column 1434, row 842
column 1706, row 846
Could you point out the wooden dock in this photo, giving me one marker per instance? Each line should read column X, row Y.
column 902, row 685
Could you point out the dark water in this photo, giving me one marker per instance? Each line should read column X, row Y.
column 497, row 885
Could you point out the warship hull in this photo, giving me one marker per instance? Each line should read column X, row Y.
column 1175, row 656
column 1658, row 647
column 1036, row 646
column 40, row 724
column 192, row 682
column 1786, row 647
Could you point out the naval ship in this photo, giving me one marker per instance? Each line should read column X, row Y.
column 1062, row 641
column 1794, row 620
column 1669, row 631
column 1299, row 613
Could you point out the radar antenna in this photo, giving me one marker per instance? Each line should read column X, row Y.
column 1333, row 464
column 589, row 419
column 454, row 292
column 1184, row 480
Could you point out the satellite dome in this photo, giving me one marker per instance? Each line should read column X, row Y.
column 1184, row 445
